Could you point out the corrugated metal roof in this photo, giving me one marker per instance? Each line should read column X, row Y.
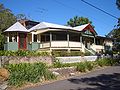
column 17, row 27
column 80, row 28
column 44, row 25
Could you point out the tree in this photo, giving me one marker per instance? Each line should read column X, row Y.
column 21, row 16
column 115, row 33
column 118, row 4
column 77, row 21
column 7, row 18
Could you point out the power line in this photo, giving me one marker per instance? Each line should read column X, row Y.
column 74, row 9
column 100, row 9
column 70, row 7
column 67, row 6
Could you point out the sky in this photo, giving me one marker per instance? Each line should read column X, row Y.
column 60, row 11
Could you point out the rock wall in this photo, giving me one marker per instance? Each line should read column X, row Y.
column 26, row 59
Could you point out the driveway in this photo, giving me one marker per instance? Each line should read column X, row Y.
column 105, row 79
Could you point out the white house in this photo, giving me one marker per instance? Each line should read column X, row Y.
column 49, row 37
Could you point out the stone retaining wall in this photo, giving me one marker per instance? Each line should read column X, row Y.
column 46, row 59
column 26, row 59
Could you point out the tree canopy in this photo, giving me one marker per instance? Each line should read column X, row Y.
column 7, row 18
column 21, row 16
column 77, row 21
column 115, row 33
column 118, row 4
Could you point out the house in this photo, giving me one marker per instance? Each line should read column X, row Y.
column 48, row 36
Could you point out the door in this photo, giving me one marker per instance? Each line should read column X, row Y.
column 87, row 43
column 22, row 41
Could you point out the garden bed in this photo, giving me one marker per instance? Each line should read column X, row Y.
column 63, row 71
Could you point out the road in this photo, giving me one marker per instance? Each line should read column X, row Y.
column 105, row 79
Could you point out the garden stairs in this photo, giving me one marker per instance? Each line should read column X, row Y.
column 90, row 50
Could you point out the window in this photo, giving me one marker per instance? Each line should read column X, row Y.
column 45, row 38
column 75, row 37
column 13, row 37
column 42, row 38
column 35, row 38
column 59, row 37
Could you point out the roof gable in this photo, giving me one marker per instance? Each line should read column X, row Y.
column 16, row 27
column 80, row 28
column 85, row 27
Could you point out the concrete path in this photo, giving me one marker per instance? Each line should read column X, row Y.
column 105, row 79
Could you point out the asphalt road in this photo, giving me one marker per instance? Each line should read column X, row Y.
column 105, row 79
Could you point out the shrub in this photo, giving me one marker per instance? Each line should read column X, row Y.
column 23, row 53
column 57, row 64
column 61, row 65
column 26, row 72
column 7, row 53
column 101, row 62
column 106, row 62
column 84, row 66
column 87, row 53
column 81, row 67
column 59, row 53
column 94, row 64
column 89, row 65
column 66, row 53
column 76, row 53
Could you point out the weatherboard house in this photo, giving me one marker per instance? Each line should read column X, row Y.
column 45, row 36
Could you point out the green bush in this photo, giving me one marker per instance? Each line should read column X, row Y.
column 59, row 53
column 106, row 62
column 26, row 72
column 87, row 53
column 76, row 53
column 81, row 67
column 89, row 65
column 7, row 53
column 23, row 53
column 66, row 53
column 84, row 66
column 57, row 64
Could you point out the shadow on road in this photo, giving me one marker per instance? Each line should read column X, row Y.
column 102, row 82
